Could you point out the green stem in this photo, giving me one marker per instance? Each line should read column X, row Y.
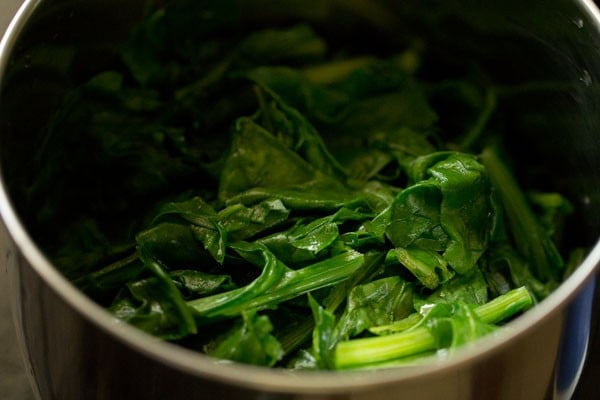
column 529, row 236
column 505, row 306
column 171, row 292
column 478, row 128
column 113, row 275
column 359, row 352
column 373, row 351
column 292, row 284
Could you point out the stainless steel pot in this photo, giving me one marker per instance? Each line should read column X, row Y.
column 76, row 350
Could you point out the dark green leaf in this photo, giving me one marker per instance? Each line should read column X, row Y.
column 324, row 335
column 245, row 222
column 259, row 160
column 415, row 218
column 156, row 305
column 316, row 195
column 298, row 43
column 465, row 209
column 250, row 342
column 454, row 324
column 503, row 260
column 198, row 283
column 375, row 303
column 292, row 128
column 172, row 244
column 143, row 52
column 469, row 289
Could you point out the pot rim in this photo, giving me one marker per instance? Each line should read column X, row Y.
column 264, row 379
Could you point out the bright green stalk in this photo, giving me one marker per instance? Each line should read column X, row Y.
column 505, row 306
column 290, row 285
column 359, row 352
column 420, row 339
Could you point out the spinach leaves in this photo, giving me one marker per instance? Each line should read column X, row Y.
column 267, row 195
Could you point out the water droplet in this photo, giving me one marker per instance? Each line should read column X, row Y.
column 578, row 22
column 586, row 78
column 586, row 200
column 27, row 61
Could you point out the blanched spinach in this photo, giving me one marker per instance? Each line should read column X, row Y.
column 283, row 175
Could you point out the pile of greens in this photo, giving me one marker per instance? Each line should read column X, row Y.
column 273, row 195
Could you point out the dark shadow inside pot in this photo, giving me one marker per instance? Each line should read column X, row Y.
column 542, row 66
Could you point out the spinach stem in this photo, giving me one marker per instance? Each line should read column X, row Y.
column 503, row 307
column 478, row 128
column 369, row 351
column 529, row 236
column 360, row 352
column 291, row 284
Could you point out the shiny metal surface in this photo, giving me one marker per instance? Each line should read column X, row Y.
column 77, row 351
column 14, row 382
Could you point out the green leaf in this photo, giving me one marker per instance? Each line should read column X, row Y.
column 198, row 283
column 172, row 244
column 298, row 43
column 146, row 307
column 465, row 209
column 403, row 144
column 405, row 109
column 305, row 164
column 454, row 324
column 375, row 303
column 156, row 305
column 293, row 89
column 552, row 209
column 324, row 335
column 144, row 50
column 303, row 242
column 469, row 289
column 203, row 224
column 235, row 222
column 292, row 128
column 259, row 160
column 503, row 260
column 322, row 194
column 111, row 277
column 450, row 211
column 250, row 342
column 244, row 223
column 191, row 23
column 415, row 218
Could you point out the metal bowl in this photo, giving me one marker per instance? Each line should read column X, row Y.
column 74, row 349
